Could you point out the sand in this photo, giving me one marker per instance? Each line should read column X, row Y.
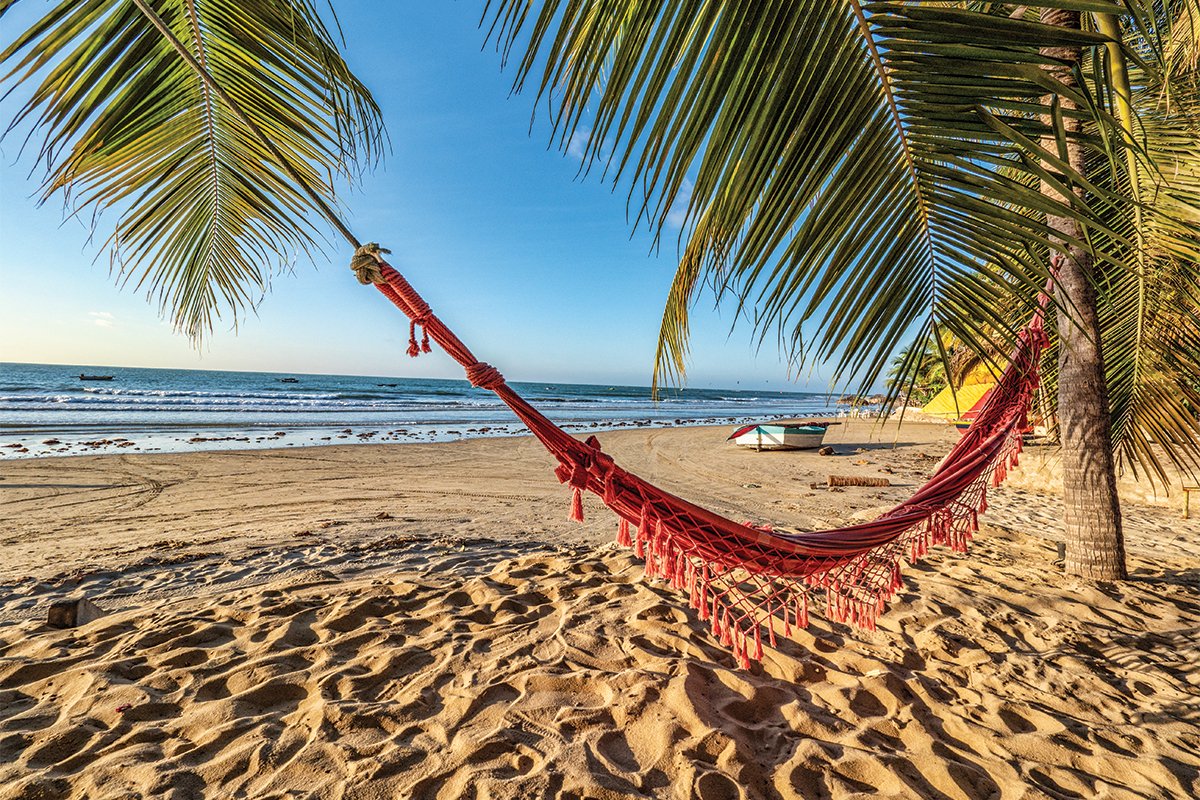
column 422, row 620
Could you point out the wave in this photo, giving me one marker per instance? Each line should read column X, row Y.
column 162, row 399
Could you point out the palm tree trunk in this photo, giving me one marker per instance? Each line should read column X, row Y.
column 1095, row 544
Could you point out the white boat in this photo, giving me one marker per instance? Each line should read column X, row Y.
column 784, row 434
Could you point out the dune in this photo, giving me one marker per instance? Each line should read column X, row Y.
column 422, row 621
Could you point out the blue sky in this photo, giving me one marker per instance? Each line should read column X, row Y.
column 533, row 266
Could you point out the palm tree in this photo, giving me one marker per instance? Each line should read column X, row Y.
column 921, row 383
column 864, row 174
column 941, row 363
column 206, row 210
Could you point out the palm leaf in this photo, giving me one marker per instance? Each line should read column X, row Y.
column 852, row 166
column 1150, row 315
column 866, row 172
column 205, row 213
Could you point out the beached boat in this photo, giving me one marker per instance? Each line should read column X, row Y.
column 785, row 434
column 83, row 377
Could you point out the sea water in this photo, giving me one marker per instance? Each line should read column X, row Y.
column 47, row 409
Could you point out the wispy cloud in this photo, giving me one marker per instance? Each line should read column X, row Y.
column 102, row 319
column 677, row 215
column 580, row 142
column 577, row 146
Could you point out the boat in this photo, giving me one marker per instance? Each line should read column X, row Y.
column 963, row 423
column 289, row 380
column 784, row 434
column 83, row 377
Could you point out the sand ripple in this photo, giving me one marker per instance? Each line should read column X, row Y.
column 563, row 674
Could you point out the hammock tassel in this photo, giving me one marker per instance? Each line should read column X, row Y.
column 413, row 349
column 576, row 505
column 868, row 616
column 643, row 533
column 623, row 533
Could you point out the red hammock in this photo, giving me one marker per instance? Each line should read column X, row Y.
column 750, row 579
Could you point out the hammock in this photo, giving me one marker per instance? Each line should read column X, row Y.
column 750, row 580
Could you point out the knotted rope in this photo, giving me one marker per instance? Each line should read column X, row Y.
column 366, row 261
column 484, row 376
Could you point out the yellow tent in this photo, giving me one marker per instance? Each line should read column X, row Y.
column 978, row 382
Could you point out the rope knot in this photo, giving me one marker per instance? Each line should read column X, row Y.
column 484, row 376
column 414, row 349
column 366, row 261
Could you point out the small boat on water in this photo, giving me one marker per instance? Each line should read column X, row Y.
column 784, row 434
column 289, row 380
column 83, row 377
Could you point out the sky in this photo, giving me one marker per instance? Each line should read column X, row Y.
column 537, row 269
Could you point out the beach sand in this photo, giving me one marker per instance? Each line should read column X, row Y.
column 422, row 620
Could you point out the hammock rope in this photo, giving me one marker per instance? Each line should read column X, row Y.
column 748, row 580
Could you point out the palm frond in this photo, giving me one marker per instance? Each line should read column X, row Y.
column 863, row 173
column 1147, row 274
column 852, row 165
column 205, row 213
column 1150, row 314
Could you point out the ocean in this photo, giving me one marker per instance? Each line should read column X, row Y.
column 46, row 409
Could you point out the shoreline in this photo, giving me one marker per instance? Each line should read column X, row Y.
column 44, row 411
column 42, row 441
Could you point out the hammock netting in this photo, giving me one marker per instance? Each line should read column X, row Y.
column 750, row 581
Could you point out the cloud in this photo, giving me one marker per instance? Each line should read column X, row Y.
column 102, row 319
column 677, row 215
column 577, row 146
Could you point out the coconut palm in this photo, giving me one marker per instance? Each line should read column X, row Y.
column 862, row 174
column 866, row 173
column 921, row 383
column 204, row 207
column 925, row 381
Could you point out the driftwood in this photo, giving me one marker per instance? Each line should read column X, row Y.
column 857, row 480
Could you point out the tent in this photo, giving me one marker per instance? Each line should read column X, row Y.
column 950, row 405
